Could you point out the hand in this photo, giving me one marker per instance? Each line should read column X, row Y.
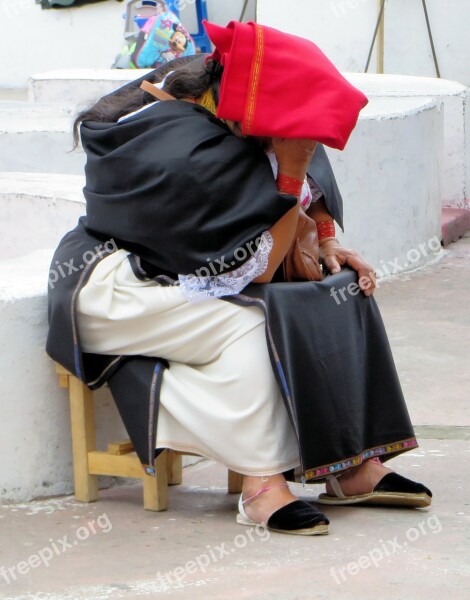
column 293, row 156
column 335, row 256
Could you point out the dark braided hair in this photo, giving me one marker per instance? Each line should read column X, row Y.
column 191, row 78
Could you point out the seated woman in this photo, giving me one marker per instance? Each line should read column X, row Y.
column 181, row 303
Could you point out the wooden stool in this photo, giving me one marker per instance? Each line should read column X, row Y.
column 120, row 460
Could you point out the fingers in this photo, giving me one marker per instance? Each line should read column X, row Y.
column 365, row 273
column 332, row 264
column 334, row 257
column 367, row 281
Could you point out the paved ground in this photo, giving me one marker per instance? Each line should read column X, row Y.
column 113, row 549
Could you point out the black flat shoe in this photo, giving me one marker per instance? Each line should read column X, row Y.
column 392, row 490
column 297, row 518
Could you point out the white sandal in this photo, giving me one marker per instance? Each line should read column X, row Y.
column 297, row 518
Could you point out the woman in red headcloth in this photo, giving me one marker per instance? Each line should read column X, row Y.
column 193, row 199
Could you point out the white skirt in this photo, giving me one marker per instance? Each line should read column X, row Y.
column 219, row 397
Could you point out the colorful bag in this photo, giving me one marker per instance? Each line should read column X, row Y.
column 160, row 40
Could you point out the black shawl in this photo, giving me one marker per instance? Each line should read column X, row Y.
column 175, row 186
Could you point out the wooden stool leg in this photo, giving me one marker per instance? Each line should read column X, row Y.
column 175, row 468
column 235, row 482
column 82, row 417
column 156, row 488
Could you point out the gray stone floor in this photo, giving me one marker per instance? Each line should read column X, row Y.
column 114, row 549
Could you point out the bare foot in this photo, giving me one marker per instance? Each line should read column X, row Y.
column 360, row 480
column 261, row 508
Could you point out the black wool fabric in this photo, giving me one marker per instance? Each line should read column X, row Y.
column 175, row 186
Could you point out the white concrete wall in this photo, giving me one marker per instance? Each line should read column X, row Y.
column 37, row 139
column 82, row 37
column 455, row 171
column 389, row 177
column 35, row 444
column 90, row 36
column 344, row 28
column 48, row 207
column 77, row 88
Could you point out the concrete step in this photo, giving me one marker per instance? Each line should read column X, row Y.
column 23, row 109
column 38, row 138
column 455, row 174
column 455, row 224
column 78, row 86
column 389, row 177
column 37, row 210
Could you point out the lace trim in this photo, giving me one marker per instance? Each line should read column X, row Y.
column 199, row 289
column 315, row 191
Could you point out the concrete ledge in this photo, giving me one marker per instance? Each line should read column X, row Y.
column 389, row 177
column 78, row 86
column 455, row 171
column 38, row 139
column 37, row 210
column 455, row 224
column 35, row 445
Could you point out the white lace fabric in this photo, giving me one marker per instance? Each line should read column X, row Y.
column 200, row 288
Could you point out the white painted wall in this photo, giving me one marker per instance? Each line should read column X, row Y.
column 389, row 178
column 49, row 205
column 37, row 139
column 344, row 28
column 35, row 443
column 90, row 36
column 35, row 40
column 455, row 168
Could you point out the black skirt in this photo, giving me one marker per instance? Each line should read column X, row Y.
column 333, row 363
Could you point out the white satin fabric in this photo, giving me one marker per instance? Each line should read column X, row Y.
column 219, row 397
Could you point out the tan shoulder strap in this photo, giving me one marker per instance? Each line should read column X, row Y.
column 157, row 92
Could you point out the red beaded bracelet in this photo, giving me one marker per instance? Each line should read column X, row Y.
column 289, row 185
column 325, row 229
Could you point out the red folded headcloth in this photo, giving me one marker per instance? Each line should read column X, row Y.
column 280, row 85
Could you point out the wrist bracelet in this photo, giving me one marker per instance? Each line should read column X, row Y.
column 326, row 229
column 289, row 185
